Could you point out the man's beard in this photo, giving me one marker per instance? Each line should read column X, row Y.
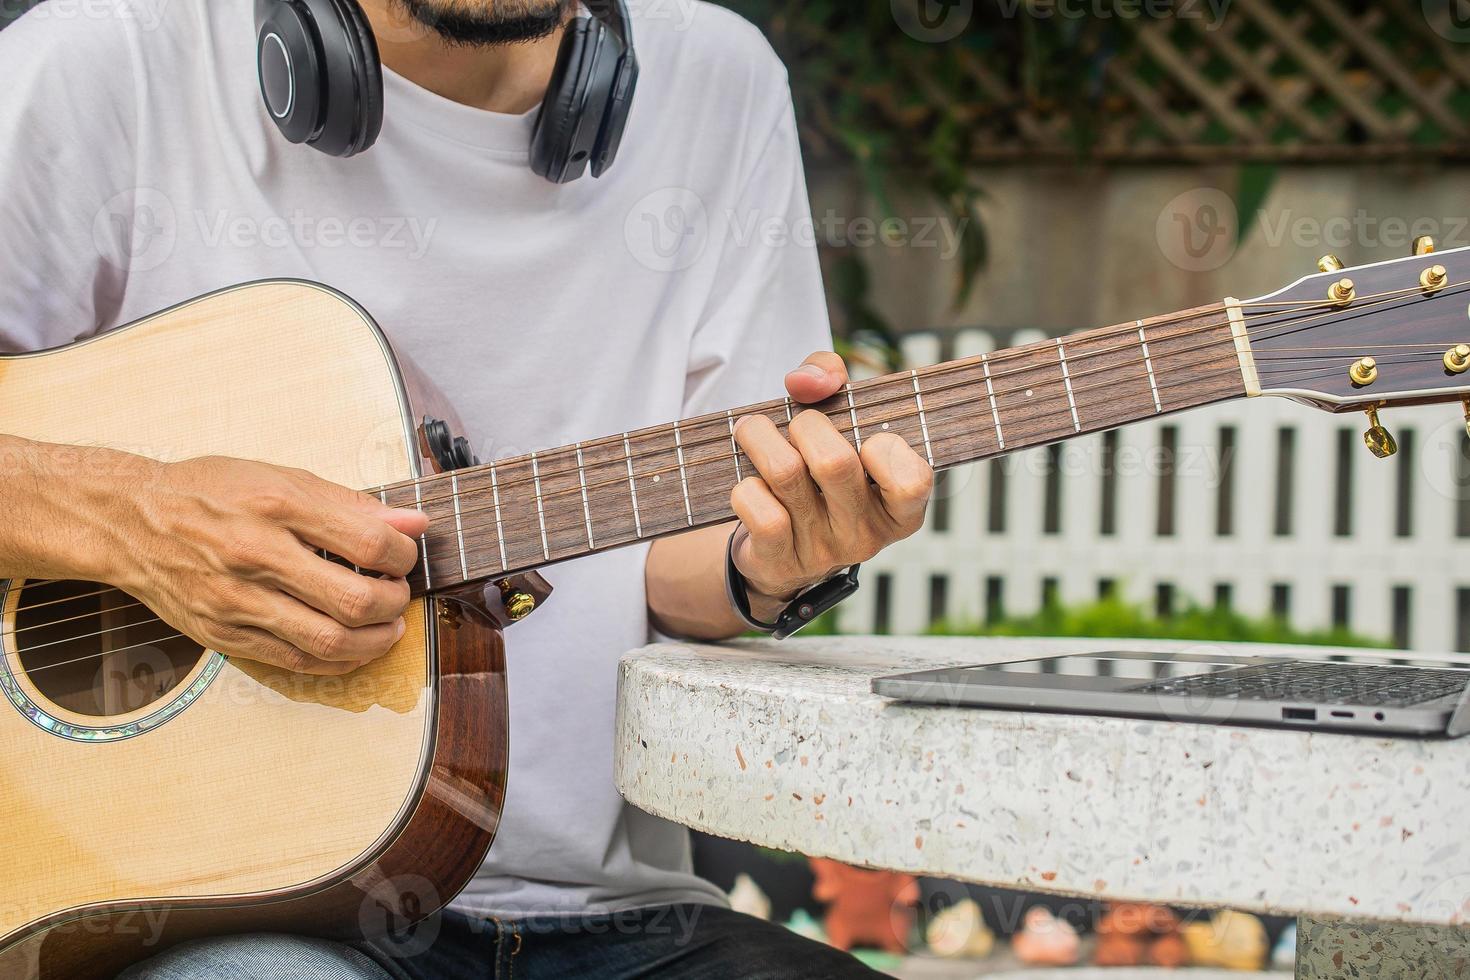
column 475, row 23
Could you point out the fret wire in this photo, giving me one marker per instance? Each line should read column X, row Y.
column 1149, row 364
column 499, row 525
column 1280, row 325
column 788, row 409
column 423, row 538
column 683, row 477
column 1226, row 341
column 923, row 421
column 852, row 413
column 994, row 409
column 1192, row 383
column 632, row 487
column 958, row 367
column 540, row 510
column 734, row 446
column 958, row 385
column 586, row 510
column 1067, row 378
column 459, row 524
column 383, row 496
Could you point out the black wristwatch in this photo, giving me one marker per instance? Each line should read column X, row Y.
column 803, row 609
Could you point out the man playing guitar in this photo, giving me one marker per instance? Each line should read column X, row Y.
column 142, row 166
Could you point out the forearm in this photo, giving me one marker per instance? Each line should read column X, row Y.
column 686, row 587
column 56, row 503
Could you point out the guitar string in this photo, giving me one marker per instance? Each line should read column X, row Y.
column 1051, row 406
column 938, row 371
column 901, row 398
column 905, row 396
column 901, row 380
column 953, row 367
column 141, row 623
column 146, row 622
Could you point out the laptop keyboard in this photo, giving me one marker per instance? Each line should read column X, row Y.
column 1325, row 683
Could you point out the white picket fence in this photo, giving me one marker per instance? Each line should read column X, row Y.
column 1379, row 546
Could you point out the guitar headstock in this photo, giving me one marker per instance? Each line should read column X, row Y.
column 1381, row 335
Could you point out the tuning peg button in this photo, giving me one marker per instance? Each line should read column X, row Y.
column 1423, row 245
column 1457, row 359
column 1380, row 441
column 1330, row 263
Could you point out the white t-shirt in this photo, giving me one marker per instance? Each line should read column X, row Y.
column 138, row 169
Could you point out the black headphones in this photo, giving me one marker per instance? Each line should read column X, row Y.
column 323, row 83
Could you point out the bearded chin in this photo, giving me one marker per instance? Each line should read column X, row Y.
column 480, row 23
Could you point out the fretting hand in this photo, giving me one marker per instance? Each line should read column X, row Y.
column 812, row 510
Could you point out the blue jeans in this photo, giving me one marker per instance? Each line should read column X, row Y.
column 695, row 942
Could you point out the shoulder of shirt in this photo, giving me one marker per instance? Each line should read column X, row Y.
column 691, row 43
column 99, row 46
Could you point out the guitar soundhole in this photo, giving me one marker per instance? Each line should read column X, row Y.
column 96, row 651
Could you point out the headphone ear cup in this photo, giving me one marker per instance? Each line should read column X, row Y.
column 352, row 113
column 570, row 124
column 288, row 64
column 368, row 78
column 320, row 74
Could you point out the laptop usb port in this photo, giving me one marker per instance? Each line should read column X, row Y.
column 1299, row 714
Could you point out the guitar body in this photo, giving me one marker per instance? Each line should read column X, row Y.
column 151, row 791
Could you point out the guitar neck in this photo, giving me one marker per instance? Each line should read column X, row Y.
column 521, row 513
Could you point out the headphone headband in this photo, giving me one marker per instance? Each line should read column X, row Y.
column 321, row 80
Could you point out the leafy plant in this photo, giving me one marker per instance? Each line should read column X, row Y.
column 1113, row 618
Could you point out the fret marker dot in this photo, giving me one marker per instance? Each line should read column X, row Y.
column 1028, row 392
column 656, row 479
column 885, row 425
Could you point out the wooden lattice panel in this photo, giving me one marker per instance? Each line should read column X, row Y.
column 1265, row 80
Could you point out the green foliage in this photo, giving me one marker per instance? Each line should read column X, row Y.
column 893, row 109
column 1113, row 618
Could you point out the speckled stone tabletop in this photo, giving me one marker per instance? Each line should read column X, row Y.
column 783, row 744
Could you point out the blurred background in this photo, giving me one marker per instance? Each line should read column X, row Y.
column 987, row 172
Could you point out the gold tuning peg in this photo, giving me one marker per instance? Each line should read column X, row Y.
column 518, row 603
column 1330, row 263
column 1423, row 245
column 1457, row 359
column 1465, row 402
column 1380, row 441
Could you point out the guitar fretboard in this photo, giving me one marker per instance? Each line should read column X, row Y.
column 520, row 513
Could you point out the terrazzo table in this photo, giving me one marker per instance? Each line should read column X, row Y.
column 1365, row 839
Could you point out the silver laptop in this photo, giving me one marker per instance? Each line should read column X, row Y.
column 1367, row 695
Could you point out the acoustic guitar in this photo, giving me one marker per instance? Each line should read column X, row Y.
column 153, row 791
